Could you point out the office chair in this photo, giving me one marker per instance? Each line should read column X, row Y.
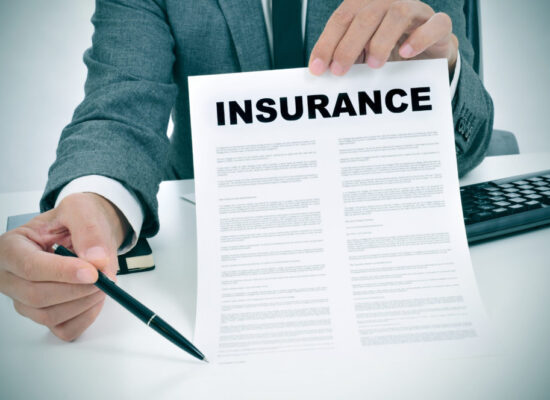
column 502, row 142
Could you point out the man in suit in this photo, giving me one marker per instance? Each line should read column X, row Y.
column 101, row 192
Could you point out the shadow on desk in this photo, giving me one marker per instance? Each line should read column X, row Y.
column 140, row 355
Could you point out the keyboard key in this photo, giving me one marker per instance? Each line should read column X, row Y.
column 534, row 196
column 528, row 191
column 533, row 204
column 511, row 190
column 482, row 216
column 534, row 179
column 480, row 201
column 518, row 200
column 511, row 195
column 526, row 187
column 542, row 183
column 521, row 183
column 490, row 188
column 502, row 203
column 495, row 193
column 546, row 193
column 501, row 210
column 516, row 207
column 498, row 198
column 505, row 185
column 546, row 176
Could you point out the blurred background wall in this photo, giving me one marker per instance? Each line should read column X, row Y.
column 41, row 82
column 42, row 77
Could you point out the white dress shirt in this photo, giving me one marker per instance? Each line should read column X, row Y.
column 126, row 200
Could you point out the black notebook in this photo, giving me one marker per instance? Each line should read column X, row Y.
column 139, row 259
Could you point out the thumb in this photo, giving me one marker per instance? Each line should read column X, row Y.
column 92, row 235
column 99, row 255
column 91, row 245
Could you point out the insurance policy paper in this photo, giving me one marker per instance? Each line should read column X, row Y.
column 328, row 216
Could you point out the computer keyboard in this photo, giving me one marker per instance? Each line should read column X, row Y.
column 506, row 205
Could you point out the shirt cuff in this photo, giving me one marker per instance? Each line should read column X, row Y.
column 456, row 75
column 116, row 193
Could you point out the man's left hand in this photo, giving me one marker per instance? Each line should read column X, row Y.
column 376, row 31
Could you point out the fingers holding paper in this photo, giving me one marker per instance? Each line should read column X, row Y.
column 57, row 291
column 377, row 31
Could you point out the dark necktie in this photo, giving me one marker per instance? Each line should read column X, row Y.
column 288, row 46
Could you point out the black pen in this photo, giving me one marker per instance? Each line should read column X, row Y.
column 139, row 310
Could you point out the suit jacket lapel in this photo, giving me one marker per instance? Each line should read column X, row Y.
column 246, row 22
column 318, row 13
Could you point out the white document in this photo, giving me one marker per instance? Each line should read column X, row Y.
column 328, row 216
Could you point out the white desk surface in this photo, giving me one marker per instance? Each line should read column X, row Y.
column 119, row 358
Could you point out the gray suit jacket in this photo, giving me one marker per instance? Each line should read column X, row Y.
column 142, row 53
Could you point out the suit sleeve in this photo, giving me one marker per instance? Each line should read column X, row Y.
column 119, row 129
column 473, row 111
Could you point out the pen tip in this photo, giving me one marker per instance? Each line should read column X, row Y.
column 205, row 360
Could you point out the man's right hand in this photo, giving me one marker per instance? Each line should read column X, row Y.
column 58, row 291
